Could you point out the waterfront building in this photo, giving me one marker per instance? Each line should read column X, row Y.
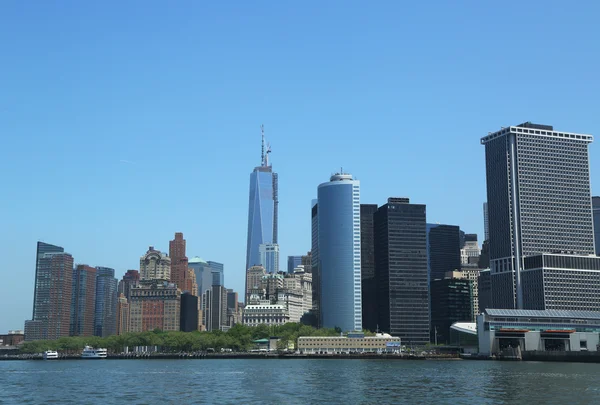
column 339, row 253
column 154, row 305
column 486, row 222
column 83, row 301
column 539, row 201
column 596, row 219
column 293, row 262
column 315, row 269
column 269, row 257
column 122, row 314
column 179, row 263
column 52, row 294
column 262, row 209
column 351, row 343
column 130, row 279
column 188, row 320
column 367, row 267
column 155, row 265
column 443, row 250
column 105, row 319
column 451, row 301
column 471, row 273
column 401, row 270
column 12, row 338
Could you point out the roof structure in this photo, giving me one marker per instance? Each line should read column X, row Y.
column 550, row 313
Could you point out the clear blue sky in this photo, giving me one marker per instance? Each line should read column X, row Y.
column 124, row 123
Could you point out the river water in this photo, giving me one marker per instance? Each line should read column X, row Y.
column 304, row 381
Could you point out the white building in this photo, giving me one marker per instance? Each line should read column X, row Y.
column 269, row 257
column 471, row 249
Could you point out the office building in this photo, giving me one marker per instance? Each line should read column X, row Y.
column 155, row 265
column 232, row 300
column 122, row 314
column 401, row 270
column 443, row 250
column 484, row 290
column 269, row 257
column 179, row 264
column 539, row 201
column 307, row 262
column 367, row 267
column 299, row 283
column 203, row 272
column 217, row 272
column 254, row 276
column 105, row 319
column 263, row 208
column 470, row 251
column 339, row 253
column 596, row 219
column 188, row 321
column 214, row 308
column 314, row 256
column 155, row 305
column 451, row 301
column 293, row 262
column 486, row 223
column 83, row 301
column 52, row 294
column 471, row 273
column 261, row 310
column 130, row 279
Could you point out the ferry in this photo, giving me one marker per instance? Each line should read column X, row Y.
column 50, row 355
column 91, row 353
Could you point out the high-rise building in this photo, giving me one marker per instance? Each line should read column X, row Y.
column 83, row 301
column 596, row 219
column 122, row 314
column 263, row 208
column 52, row 295
column 451, row 301
column 314, row 257
column 203, row 272
column 188, row 321
column 539, row 201
column 443, row 250
column 401, row 270
column 269, row 257
column 155, row 265
column 486, row 222
column 307, row 262
column 217, row 272
column 471, row 273
column 339, row 253
column 155, row 305
column 470, row 252
column 367, row 267
column 214, row 308
column 105, row 319
column 484, row 290
column 130, row 279
column 179, row 263
column 293, row 262
column 232, row 300
column 254, row 276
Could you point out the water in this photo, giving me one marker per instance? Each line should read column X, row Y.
column 297, row 382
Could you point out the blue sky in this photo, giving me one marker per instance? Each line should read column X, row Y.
column 124, row 123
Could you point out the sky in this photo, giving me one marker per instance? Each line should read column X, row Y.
column 122, row 123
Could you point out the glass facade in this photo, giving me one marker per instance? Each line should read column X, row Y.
column 42, row 248
column 105, row 320
column 339, row 253
column 443, row 250
column 293, row 262
column 261, row 213
column 596, row 213
column 269, row 257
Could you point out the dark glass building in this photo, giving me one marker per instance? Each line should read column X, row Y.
column 105, row 320
column 596, row 214
column 400, row 233
column 83, row 301
column 316, row 273
column 451, row 301
column 188, row 320
column 42, row 248
column 293, row 262
column 367, row 267
column 443, row 250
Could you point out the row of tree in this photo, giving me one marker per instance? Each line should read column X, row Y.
column 238, row 338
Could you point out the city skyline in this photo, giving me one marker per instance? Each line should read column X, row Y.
column 328, row 97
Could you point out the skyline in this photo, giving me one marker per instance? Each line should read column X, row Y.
column 102, row 135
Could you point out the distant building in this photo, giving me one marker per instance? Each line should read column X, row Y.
column 261, row 311
column 269, row 257
column 314, row 255
column 486, row 222
column 443, row 250
column 155, row 305
column 484, row 287
column 596, row 219
column 470, row 251
column 105, row 319
column 451, row 301
column 188, row 321
column 293, row 262
column 471, row 273
column 217, row 273
column 254, row 276
column 307, row 262
column 203, row 272
column 299, row 283
column 155, row 265
column 401, row 270
column 52, row 294
column 339, row 253
column 352, row 343
column 12, row 338
column 130, row 279
column 232, row 300
column 122, row 315
column 367, row 267
column 83, row 301
column 179, row 264
column 214, row 308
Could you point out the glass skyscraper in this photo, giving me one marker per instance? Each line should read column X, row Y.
column 105, row 320
column 262, row 209
column 339, row 258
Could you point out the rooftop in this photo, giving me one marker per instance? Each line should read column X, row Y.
column 550, row 313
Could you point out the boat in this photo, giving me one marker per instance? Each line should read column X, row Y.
column 91, row 353
column 50, row 355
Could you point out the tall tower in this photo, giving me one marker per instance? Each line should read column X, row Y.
column 83, row 301
column 105, row 322
column 262, row 208
column 338, row 218
column 179, row 263
column 539, row 201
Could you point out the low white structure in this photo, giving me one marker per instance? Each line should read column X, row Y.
column 351, row 343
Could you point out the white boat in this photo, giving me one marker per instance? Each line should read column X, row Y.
column 50, row 355
column 91, row 353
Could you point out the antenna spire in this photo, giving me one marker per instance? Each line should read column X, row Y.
column 262, row 150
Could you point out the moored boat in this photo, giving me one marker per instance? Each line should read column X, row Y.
column 50, row 355
column 91, row 353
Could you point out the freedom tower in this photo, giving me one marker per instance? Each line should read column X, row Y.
column 262, row 209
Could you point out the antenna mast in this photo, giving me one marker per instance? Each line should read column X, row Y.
column 262, row 150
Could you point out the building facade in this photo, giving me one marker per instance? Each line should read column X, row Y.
column 155, row 265
column 596, row 219
column 401, row 270
column 105, row 319
column 254, row 279
column 179, row 264
column 486, row 222
column 367, row 267
column 269, row 257
column 130, row 279
column 293, row 262
column 122, row 314
column 315, row 266
column 352, row 343
column 83, row 301
column 339, row 253
column 451, row 301
column 214, row 308
column 472, row 274
column 539, row 201
column 188, row 320
column 443, row 250
column 203, row 273
column 155, row 305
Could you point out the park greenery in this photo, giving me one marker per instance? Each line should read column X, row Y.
column 238, row 338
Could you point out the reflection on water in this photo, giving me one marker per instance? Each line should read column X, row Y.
column 298, row 382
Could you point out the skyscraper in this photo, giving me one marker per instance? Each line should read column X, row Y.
column 451, row 301
column 217, row 271
column 154, row 305
column 486, row 222
column 262, row 208
column 596, row 218
column 105, row 319
column 367, row 267
column 155, row 265
column 122, row 315
column 83, row 303
column 401, row 270
column 188, row 320
column 339, row 252
column 269, row 257
column 203, row 273
column 443, row 250
column 179, row 263
column 314, row 257
column 538, row 189
column 130, row 279
column 52, row 294
column 293, row 262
